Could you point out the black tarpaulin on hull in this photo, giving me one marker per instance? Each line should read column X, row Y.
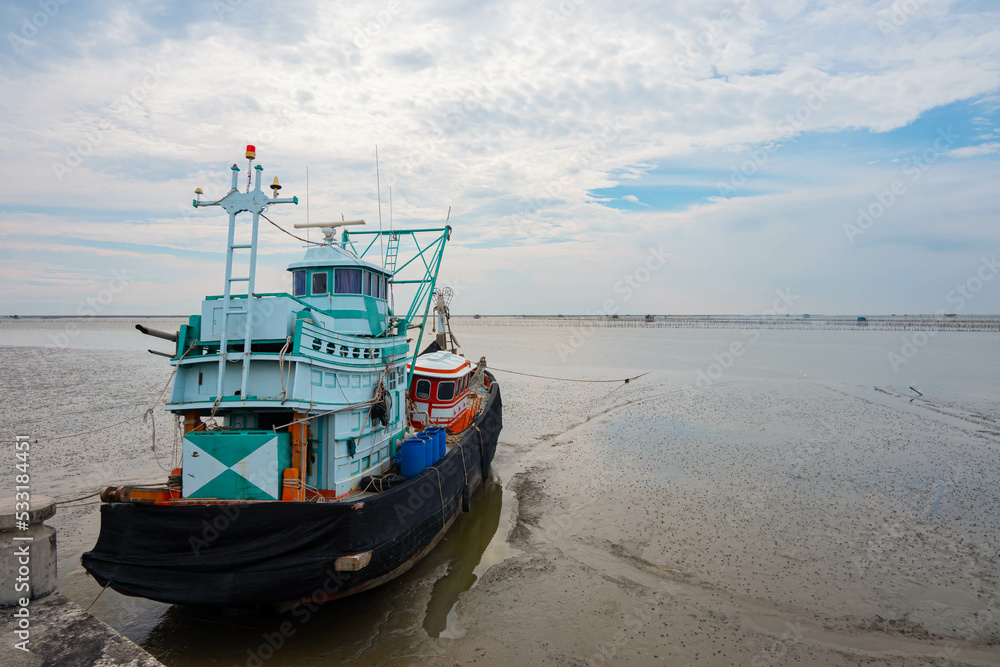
column 258, row 553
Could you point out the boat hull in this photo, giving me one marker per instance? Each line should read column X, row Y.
column 271, row 552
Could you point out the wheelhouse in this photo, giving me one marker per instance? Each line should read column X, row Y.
column 439, row 390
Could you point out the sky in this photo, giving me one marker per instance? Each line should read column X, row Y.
column 718, row 156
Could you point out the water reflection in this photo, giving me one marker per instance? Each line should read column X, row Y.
column 378, row 625
column 464, row 549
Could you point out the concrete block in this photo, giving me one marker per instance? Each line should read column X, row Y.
column 40, row 567
column 61, row 634
column 40, row 509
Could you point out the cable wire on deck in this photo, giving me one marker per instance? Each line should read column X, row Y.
column 289, row 233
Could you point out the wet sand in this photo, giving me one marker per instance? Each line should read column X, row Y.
column 764, row 519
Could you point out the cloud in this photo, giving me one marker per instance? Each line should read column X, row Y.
column 975, row 151
column 513, row 113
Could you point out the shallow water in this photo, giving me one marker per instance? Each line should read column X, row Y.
column 796, row 451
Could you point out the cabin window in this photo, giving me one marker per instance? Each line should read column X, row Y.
column 319, row 283
column 298, row 283
column 368, row 283
column 347, row 281
column 446, row 391
column 376, row 286
column 423, row 389
column 385, row 287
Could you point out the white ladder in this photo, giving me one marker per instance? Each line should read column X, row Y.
column 235, row 202
column 391, row 251
column 235, row 306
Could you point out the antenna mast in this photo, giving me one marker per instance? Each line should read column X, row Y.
column 378, row 188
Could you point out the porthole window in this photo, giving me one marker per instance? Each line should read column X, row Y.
column 423, row 389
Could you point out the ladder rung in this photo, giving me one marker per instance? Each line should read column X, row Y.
column 241, row 246
column 238, row 280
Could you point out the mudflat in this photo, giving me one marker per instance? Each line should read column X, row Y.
column 794, row 504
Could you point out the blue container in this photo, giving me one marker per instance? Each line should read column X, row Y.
column 413, row 459
column 429, row 452
column 430, row 448
column 441, row 436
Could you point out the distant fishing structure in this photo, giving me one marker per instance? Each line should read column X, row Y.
column 968, row 324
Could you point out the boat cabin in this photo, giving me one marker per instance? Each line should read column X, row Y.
column 439, row 391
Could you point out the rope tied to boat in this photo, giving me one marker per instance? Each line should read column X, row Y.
column 105, row 428
column 547, row 377
column 440, row 494
column 307, row 418
column 465, row 468
column 483, row 468
column 152, row 417
column 98, row 596
column 281, row 369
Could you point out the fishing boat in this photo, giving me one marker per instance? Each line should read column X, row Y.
column 313, row 463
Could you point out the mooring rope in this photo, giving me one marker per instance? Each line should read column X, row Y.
column 142, row 416
column 547, row 377
column 89, row 495
column 464, row 467
column 441, row 494
column 483, row 468
column 98, row 596
column 281, row 369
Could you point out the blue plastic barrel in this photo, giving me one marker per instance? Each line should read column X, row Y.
column 443, row 444
column 430, row 453
column 440, row 434
column 430, row 447
column 413, row 457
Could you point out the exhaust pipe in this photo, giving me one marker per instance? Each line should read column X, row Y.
column 157, row 333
